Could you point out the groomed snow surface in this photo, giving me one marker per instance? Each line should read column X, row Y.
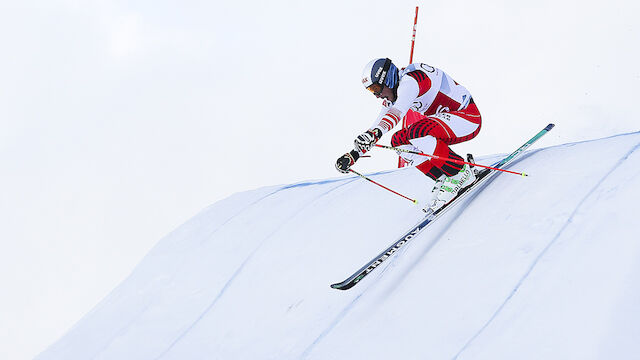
column 544, row 267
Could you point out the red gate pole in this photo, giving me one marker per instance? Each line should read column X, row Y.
column 402, row 163
column 413, row 38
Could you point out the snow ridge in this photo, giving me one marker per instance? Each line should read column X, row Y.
column 250, row 257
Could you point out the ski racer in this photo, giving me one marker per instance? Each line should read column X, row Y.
column 449, row 116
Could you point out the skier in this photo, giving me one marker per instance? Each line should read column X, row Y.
column 450, row 116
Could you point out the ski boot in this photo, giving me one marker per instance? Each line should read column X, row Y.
column 447, row 187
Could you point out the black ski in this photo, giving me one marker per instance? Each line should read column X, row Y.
column 431, row 216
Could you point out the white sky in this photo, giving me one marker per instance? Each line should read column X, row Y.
column 121, row 120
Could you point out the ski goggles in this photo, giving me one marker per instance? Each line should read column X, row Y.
column 376, row 89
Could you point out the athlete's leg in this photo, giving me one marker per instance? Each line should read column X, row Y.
column 433, row 135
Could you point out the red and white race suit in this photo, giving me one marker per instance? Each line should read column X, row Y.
column 448, row 116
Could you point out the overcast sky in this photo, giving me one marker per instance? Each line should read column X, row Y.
column 121, row 120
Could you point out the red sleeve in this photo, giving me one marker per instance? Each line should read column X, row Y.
column 424, row 83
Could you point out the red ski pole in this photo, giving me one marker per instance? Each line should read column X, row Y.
column 384, row 187
column 449, row 159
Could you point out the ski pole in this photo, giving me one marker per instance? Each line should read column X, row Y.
column 449, row 159
column 384, row 187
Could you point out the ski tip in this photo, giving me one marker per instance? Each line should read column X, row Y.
column 549, row 127
column 339, row 286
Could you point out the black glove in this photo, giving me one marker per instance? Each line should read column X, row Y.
column 345, row 161
column 365, row 141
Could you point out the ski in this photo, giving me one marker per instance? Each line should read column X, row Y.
column 431, row 216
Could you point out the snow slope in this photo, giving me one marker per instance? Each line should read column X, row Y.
column 544, row 267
